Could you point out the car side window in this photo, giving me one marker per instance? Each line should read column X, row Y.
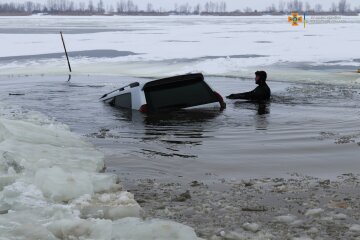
column 123, row 100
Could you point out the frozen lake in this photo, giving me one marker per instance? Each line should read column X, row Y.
column 158, row 46
column 50, row 175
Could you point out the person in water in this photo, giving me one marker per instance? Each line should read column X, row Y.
column 260, row 93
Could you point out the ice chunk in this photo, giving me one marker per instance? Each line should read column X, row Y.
column 355, row 228
column 124, row 229
column 108, row 205
column 316, row 212
column 63, row 186
column 339, row 216
column 81, row 229
column 4, row 133
column 6, row 180
column 302, row 238
column 32, row 231
column 252, row 227
column 105, row 182
column 288, row 219
column 242, row 235
column 39, row 146
column 4, row 207
column 154, row 229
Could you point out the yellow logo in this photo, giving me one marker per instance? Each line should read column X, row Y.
column 295, row 19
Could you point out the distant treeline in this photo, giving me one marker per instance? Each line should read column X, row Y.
column 129, row 7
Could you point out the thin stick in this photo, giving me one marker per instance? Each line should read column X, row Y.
column 67, row 57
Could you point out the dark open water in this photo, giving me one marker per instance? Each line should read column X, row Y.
column 310, row 129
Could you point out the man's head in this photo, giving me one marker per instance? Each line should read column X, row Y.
column 260, row 77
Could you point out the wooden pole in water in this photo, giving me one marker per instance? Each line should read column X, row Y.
column 66, row 54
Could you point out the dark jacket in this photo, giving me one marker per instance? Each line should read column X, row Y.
column 261, row 92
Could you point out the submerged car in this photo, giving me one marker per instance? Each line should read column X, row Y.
column 173, row 93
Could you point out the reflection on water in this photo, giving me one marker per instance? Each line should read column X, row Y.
column 261, row 110
column 178, row 131
column 181, row 117
column 173, row 131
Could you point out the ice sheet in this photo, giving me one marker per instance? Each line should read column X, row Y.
column 173, row 45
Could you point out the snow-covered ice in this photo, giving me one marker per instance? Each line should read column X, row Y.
column 163, row 46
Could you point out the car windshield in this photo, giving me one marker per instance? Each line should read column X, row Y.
column 178, row 92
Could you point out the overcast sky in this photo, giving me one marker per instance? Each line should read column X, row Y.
column 232, row 4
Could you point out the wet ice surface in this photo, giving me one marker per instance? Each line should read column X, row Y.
column 73, row 54
column 303, row 128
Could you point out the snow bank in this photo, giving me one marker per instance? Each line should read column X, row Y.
column 51, row 188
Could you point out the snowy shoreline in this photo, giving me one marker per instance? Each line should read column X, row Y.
column 294, row 207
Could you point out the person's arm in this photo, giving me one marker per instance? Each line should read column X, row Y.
column 245, row 95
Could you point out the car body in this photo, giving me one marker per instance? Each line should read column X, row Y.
column 179, row 92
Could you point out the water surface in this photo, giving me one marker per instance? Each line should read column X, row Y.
column 307, row 128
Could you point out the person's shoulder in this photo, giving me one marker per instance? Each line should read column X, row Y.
column 263, row 85
column 266, row 85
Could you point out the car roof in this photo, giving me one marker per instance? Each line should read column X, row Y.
column 180, row 78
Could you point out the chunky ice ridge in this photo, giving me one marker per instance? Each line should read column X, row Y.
column 51, row 188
